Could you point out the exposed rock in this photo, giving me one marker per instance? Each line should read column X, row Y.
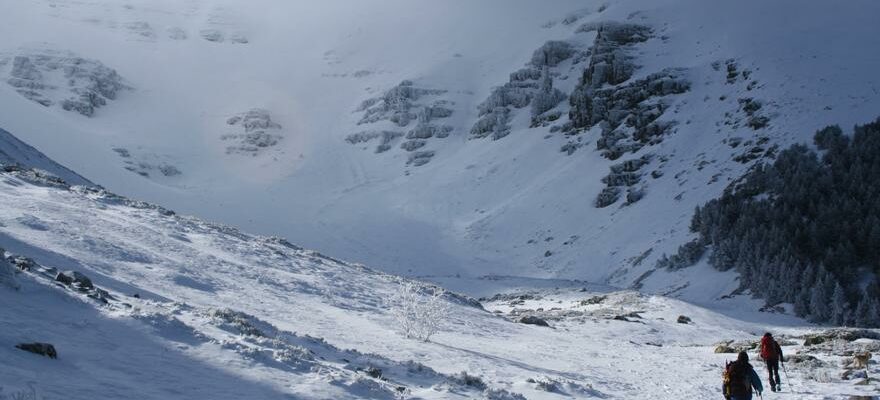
column 607, row 197
column 624, row 174
column 493, row 124
column 814, row 340
column 87, row 84
column 628, row 113
column 385, row 138
column 427, row 131
column 373, row 372
column 532, row 85
column 533, row 320
column 43, row 349
column 76, row 279
column 412, row 145
column 22, row 263
column 402, row 105
column 238, row 38
column 611, row 62
column 735, row 347
column 593, row 300
column 751, row 108
column 256, row 137
column 804, row 360
column 146, row 164
column 420, row 158
column 141, row 29
column 398, row 105
column 683, row 319
column 552, row 53
column 213, row 35
column 723, row 348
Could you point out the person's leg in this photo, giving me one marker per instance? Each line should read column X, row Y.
column 770, row 373
column 774, row 372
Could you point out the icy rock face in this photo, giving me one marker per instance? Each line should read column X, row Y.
column 405, row 106
column 532, row 85
column 628, row 111
column 257, row 135
column 77, row 84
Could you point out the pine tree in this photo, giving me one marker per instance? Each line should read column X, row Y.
column 839, row 305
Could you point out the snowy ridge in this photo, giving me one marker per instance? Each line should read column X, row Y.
column 14, row 152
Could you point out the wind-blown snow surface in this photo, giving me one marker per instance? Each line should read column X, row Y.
column 515, row 206
column 223, row 314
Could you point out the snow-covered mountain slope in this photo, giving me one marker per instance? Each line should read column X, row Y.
column 270, row 115
column 17, row 153
column 167, row 306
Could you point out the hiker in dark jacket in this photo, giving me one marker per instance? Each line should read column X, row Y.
column 741, row 379
column 771, row 352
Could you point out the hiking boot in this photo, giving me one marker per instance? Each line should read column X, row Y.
column 772, row 388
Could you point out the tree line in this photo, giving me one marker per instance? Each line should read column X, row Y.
column 803, row 230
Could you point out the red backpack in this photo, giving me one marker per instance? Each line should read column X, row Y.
column 768, row 348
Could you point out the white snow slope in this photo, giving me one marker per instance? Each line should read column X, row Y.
column 222, row 314
column 515, row 207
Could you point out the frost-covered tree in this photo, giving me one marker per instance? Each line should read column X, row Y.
column 804, row 229
column 839, row 305
column 419, row 310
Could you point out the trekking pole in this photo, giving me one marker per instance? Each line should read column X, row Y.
column 790, row 389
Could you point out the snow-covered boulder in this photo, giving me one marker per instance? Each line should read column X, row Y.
column 43, row 349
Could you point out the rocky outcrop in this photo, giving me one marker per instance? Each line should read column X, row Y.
column 626, row 174
column 405, row 106
column 257, row 133
column 75, row 279
column 71, row 280
column 385, row 139
column 533, row 320
column 401, row 105
column 629, row 113
column 420, row 158
column 146, row 164
column 532, row 85
column 85, row 84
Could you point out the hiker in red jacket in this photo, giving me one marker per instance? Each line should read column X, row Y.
column 772, row 355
